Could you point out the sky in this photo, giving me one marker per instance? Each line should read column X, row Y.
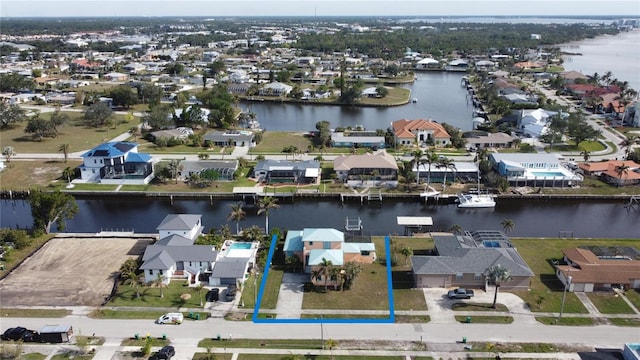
column 110, row 8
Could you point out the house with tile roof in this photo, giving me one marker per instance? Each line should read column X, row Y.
column 117, row 162
column 377, row 169
column 312, row 246
column 609, row 171
column 463, row 260
column 419, row 131
column 584, row 271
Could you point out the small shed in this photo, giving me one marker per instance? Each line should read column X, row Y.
column 56, row 333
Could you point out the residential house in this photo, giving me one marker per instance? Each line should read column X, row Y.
column 357, row 139
column 231, row 138
column 275, row 89
column 225, row 168
column 294, row 172
column 174, row 254
column 428, row 64
column 490, row 140
column 68, row 98
column 463, row 261
column 180, row 133
column 573, row 77
column 615, row 172
column 410, row 132
column 463, row 171
column 458, row 65
column 378, row 169
column 116, row 163
column 116, row 76
column 238, row 88
column 593, row 269
column 544, row 170
column 314, row 245
column 235, row 261
column 535, row 123
column 631, row 115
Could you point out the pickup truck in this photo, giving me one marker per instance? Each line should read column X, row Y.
column 460, row 293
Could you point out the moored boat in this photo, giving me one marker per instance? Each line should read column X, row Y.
column 476, row 201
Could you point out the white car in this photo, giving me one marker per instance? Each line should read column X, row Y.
column 171, row 318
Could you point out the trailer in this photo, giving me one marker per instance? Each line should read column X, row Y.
column 56, row 333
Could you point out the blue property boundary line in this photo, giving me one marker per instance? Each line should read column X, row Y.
column 263, row 283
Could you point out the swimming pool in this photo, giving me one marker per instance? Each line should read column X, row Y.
column 547, row 174
column 241, row 245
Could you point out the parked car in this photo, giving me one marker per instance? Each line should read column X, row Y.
column 232, row 289
column 166, row 353
column 171, row 318
column 13, row 333
column 213, row 295
column 460, row 293
column 31, row 336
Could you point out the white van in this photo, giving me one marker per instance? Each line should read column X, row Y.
column 170, row 318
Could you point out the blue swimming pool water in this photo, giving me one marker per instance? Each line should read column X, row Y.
column 547, row 174
column 240, row 245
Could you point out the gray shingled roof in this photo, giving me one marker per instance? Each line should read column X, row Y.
column 229, row 268
column 476, row 260
column 174, row 240
column 160, row 260
column 162, row 257
column 179, row 222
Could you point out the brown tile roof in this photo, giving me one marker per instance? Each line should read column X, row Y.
column 601, row 166
column 379, row 160
column 592, row 269
column 420, row 124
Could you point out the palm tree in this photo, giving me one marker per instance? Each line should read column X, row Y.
column 67, row 173
column 237, row 214
column 174, row 167
column 508, row 225
column 134, row 132
column 456, row 229
column 430, row 157
column 159, row 282
column 134, row 280
column 417, row 161
column 446, row 164
column 586, row 154
column 199, row 288
column 622, row 170
column 627, row 145
column 265, row 204
column 64, row 149
column 407, row 252
column 324, row 269
column 497, row 275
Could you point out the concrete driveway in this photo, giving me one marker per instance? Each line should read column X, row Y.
column 290, row 297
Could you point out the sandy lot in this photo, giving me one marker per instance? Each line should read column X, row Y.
column 69, row 271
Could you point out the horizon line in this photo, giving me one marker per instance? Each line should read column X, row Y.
column 626, row 16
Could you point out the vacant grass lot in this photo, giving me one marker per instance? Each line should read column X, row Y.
column 270, row 294
column 15, row 256
column 75, row 133
column 24, row 175
column 609, row 303
column 545, row 294
column 274, row 141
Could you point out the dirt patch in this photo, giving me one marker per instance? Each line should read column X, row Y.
column 69, row 272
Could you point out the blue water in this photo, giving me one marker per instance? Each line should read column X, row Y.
column 240, row 245
column 547, row 174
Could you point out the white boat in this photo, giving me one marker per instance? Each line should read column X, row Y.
column 428, row 194
column 476, row 201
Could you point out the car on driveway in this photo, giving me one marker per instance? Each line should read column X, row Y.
column 232, row 289
column 166, row 353
column 213, row 295
column 460, row 293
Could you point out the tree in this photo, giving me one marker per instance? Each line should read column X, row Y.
column 352, row 270
column 199, row 288
column 8, row 152
column 586, row 154
column 264, row 205
column 446, row 164
column 429, row 158
column 48, row 208
column 158, row 118
column 10, row 114
column 123, row 95
column 417, row 161
column 627, row 144
column 98, row 114
column 64, row 149
column 579, row 130
column 237, row 214
column 174, row 69
column 58, row 119
column 497, row 275
column 508, row 225
column 407, row 252
column 456, row 229
column 557, row 127
column 323, row 271
column 382, row 91
column 39, row 128
column 174, row 168
column 149, row 93
column 622, row 170
column 133, row 279
column 68, row 173
column 159, row 282
column 134, row 131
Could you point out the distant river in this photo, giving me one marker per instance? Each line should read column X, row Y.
column 619, row 54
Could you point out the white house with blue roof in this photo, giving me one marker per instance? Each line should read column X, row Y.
column 314, row 245
column 117, row 162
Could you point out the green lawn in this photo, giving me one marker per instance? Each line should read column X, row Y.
column 150, row 297
column 124, row 314
column 24, row 175
column 266, row 344
column 316, row 357
column 214, row 356
column 343, row 316
column 634, row 297
column 485, row 319
column 569, row 321
column 625, row 322
column 270, row 294
column 34, row 313
column 274, row 141
column 610, row 303
column 594, row 187
column 396, row 96
column 78, row 136
column 469, row 306
column 545, row 294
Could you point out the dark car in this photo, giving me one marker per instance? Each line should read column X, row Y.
column 231, row 291
column 31, row 336
column 213, row 295
column 13, row 333
column 166, row 353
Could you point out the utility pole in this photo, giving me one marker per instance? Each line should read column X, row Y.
column 564, row 295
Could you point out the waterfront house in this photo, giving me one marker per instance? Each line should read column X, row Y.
column 357, row 139
column 294, row 172
column 535, row 122
column 174, row 254
column 409, row 132
column 230, row 138
column 428, row 64
column 544, row 170
column 490, row 140
column 275, row 89
column 378, row 169
column 463, row 260
column 313, row 245
column 224, row 168
column 614, row 172
column 116, row 163
column 572, row 77
column 596, row 268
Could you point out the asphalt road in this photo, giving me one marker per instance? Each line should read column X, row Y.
column 592, row 336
